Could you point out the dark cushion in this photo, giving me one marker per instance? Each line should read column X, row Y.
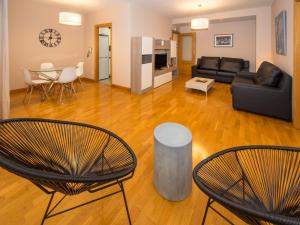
column 209, row 63
column 268, row 75
column 225, row 74
column 273, row 80
column 242, row 80
column 209, row 72
column 231, row 65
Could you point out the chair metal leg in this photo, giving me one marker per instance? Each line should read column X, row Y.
column 124, row 197
column 26, row 94
column 61, row 93
column 44, row 92
column 30, row 93
column 73, row 88
column 206, row 210
column 47, row 209
column 80, row 81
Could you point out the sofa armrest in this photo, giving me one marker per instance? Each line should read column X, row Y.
column 256, row 89
column 260, row 99
column 246, row 74
column 194, row 69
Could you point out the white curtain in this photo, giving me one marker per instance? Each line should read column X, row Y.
column 4, row 61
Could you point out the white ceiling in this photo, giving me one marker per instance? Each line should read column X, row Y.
column 182, row 8
column 171, row 8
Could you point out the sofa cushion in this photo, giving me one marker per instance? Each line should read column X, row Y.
column 233, row 65
column 243, row 80
column 209, row 72
column 225, row 74
column 268, row 75
column 274, row 79
column 209, row 63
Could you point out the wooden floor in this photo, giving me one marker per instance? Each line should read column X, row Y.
column 213, row 122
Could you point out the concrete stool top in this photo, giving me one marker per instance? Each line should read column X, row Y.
column 172, row 135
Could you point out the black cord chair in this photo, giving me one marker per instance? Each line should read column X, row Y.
column 65, row 157
column 259, row 184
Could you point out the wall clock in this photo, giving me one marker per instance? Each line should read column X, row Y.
column 50, row 37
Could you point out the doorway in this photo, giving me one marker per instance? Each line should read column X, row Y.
column 103, row 53
column 186, row 53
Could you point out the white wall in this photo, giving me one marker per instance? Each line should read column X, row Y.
column 244, row 40
column 26, row 20
column 147, row 22
column 128, row 20
column 119, row 15
column 263, row 28
column 284, row 62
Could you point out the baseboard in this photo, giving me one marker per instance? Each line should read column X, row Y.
column 120, row 87
column 16, row 91
column 88, row 80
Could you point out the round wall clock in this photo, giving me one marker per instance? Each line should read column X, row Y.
column 50, row 37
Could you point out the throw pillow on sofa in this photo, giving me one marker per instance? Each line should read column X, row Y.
column 270, row 80
column 209, row 63
column 231, row 65
column 268, row 75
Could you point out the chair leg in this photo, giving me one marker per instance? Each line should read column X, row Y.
column 73, row 88
column 124, row 197
column 30, row 93
column 61, row 93
column 45, row 94
column 206, row 210
column 80, row 81
column 47, row 209
column 26, row 94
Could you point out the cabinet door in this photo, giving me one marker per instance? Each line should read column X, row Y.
column 147, row 45
column 173, row 49
column 146, row 79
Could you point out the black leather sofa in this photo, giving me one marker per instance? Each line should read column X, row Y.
column 219, row 69
column 267, row 92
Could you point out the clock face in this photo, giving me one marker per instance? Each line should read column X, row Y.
column 50, row 38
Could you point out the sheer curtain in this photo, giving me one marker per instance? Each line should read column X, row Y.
column 4, row 61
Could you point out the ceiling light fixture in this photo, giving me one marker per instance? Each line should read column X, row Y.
column 200, row 24
column 69, row 18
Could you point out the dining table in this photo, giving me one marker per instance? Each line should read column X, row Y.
column 43, row 73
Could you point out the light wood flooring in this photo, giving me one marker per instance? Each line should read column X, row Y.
column 213, row 122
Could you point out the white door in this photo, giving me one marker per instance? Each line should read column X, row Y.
column 103, row 56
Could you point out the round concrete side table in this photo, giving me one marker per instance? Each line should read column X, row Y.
column 173, row 161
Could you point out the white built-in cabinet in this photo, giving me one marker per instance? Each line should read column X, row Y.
column 173, row 49
column 162, row 79
column 143, row 75
column 141, row 64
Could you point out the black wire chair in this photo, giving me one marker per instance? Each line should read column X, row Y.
column 259, row 184
column 65, row 157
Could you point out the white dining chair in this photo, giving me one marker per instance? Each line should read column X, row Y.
column 31, row 84
column 79, row 71
column 53, row 75
column 66, row 81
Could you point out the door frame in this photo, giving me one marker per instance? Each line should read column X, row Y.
column 180, row 61
column 96, row 47
column 296, row 78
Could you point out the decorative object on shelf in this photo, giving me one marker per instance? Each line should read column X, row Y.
column 200, row 24
column 224, row 40
column 281, row 33
column 259, row 184
column 69, row 18
column 50, row 37
column 66, row 157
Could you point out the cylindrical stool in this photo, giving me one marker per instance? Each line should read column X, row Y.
column 173, row 161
